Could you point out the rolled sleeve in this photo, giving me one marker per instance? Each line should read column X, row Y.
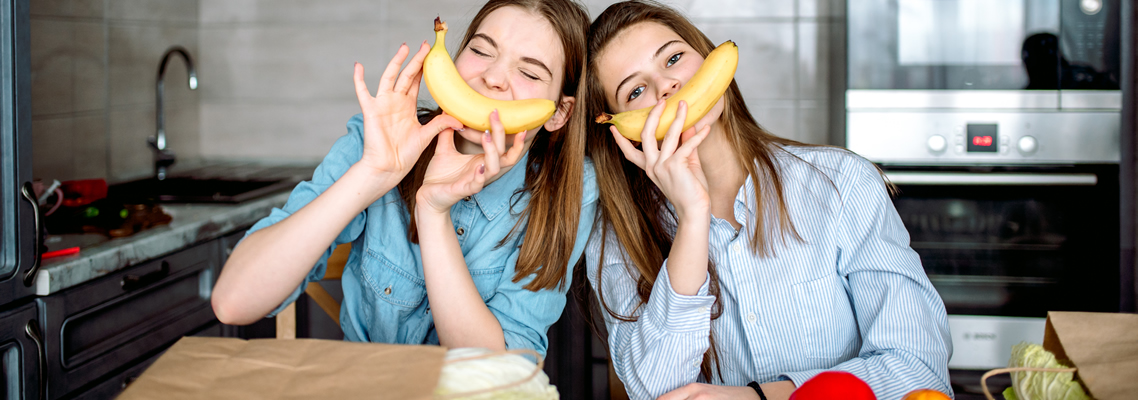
column 676, row 312
column 347, row 150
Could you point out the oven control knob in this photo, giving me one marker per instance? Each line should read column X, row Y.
column 937, row 143
column 1027, row 145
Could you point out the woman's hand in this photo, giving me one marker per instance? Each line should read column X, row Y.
column 393, row 137
column 452, row 175
column 674, row 168
column 703, row 391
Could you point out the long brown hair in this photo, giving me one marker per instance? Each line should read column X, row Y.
column 633, row 208
column 555, row 167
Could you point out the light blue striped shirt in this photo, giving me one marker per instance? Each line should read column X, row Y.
column 851, row 297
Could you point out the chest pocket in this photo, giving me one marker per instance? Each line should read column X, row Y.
column 391, row 283
column 829, row 330
column 486, row 280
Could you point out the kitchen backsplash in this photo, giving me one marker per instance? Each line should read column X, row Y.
column 275, row 75
column 94, row 65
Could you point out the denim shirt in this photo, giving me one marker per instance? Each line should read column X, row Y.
column 385, row 295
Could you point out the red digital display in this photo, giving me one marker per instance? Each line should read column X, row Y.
column 983, row 138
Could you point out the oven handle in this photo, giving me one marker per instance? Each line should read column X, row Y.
column 1014, row 179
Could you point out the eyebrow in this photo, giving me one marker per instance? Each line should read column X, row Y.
column 657, row 54
column 528, row 60
column 486, row 38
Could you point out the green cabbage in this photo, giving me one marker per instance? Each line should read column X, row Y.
column 1029, row 385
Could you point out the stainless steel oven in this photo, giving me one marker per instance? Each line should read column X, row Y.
column 999, row 122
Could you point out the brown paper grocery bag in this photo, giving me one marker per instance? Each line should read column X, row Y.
column 226, row 368
column 1102, row 346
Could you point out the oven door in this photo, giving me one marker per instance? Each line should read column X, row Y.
column 1005, row 246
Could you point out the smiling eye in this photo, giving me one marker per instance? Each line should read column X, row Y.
column 675, row 59
column 530, row 76
column 476, row 51
column 636, row 92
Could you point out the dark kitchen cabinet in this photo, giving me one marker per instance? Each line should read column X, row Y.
column 19, row 231
column 21, row 353
column 94, row 330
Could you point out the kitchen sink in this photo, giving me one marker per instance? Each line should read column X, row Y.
column 178, row 189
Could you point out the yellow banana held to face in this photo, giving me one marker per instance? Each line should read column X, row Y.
column 468, row 106
column 701, row 93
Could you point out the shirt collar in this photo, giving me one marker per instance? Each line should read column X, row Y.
column 495, row 197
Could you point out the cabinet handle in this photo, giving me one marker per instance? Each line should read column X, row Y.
column 29, row 195
column 32, row 329
column 132, row 282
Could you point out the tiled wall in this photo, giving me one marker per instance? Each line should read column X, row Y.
column 276, row 74
column 94, row 65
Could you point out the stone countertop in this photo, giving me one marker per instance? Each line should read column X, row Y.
column 192, row 223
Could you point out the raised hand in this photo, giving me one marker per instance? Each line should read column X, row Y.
column 451, row 175
column 674, row 168
column 393, row 137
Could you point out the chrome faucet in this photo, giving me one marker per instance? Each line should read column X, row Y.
column 163, row 157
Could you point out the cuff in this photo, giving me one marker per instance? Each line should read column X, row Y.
column 676, row 312
column 800, row 377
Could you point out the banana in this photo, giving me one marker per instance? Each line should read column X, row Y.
column 701, row 93
column 469, row 107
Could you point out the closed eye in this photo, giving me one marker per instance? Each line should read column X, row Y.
column 529, row 76
column 478, row 52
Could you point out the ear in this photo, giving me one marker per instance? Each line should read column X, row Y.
column 561, row 116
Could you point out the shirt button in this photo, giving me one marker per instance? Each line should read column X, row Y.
column 467, row 198
column 703, row 309
column 751, row 317
column 461, row 231
column 387, row 291
column 736, row 247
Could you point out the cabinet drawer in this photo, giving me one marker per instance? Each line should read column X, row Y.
column 96, row 328
column 20, row 353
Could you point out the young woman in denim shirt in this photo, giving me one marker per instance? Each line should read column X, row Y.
column 459, row 237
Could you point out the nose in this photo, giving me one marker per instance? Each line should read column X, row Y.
column 668, row 86
column 495, row 77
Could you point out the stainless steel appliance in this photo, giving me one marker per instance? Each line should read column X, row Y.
column 999, row 122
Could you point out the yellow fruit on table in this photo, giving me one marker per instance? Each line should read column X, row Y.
column 926, row 394
column 468, row 106
column 701, row 93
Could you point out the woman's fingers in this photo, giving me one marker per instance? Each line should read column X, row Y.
column 407, row 77
column 387, row 81
column 626, row 147
column 497, row 131
column 414, row 90
column 492, row 155
column 361, row 87
column 515, row 151
column 672, row 138
column 689, row 147
column 438, row 124
column 477, row 181
column 446, row 142
column 648, row 134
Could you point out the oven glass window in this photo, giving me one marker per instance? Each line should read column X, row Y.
column 1016, row 251
column 984, row 44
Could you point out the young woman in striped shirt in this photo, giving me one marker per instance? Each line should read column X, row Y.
column 726, row 256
